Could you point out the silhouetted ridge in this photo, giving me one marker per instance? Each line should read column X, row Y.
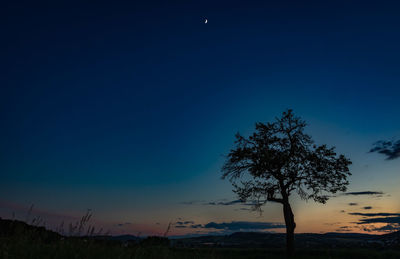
column 13, row 228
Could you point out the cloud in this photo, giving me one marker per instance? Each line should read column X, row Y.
column 344, row 228
column 184, row 222
column 230, row 226
column 388, row 228
column 364, row 193
column 221, row 203
column 381, row 214
column 353, row 204
column 367, row 207
column 122, row 224
column 196, row 226
column 181, row 226
column 234, row 202
column 392, row 221
column 380, row 220
column 391, row 149
column 243, row 225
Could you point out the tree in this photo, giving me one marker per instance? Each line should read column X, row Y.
column 278, row 160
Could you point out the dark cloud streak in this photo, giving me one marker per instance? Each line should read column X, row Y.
column 220, row 203
column 245, row 225
column 395, row 220
column 391, row 149
column 230, row 226
column 363, row 193
column 228, row 203
column 123, row 224
column 381, row 214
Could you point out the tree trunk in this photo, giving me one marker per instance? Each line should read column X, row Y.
column 290, row 226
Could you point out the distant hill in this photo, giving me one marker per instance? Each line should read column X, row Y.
column 306, row 240
column 16, row 228
column 391, row 239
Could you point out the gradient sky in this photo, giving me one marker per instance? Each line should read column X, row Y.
column 128, row 108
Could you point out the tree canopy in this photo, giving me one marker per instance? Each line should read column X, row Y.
column 278, row 157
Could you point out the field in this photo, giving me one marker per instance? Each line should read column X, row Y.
column 16, row 248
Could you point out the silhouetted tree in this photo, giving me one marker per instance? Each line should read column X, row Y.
column 279, row 159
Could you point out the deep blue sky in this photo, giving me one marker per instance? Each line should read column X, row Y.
column 140, row 100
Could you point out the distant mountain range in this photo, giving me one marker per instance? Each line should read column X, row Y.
column 277, row 240
column 9, row 228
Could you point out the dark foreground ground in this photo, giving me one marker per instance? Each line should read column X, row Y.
column 19, row 240
column 86, row 250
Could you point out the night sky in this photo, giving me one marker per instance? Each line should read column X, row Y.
column 128, row 108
